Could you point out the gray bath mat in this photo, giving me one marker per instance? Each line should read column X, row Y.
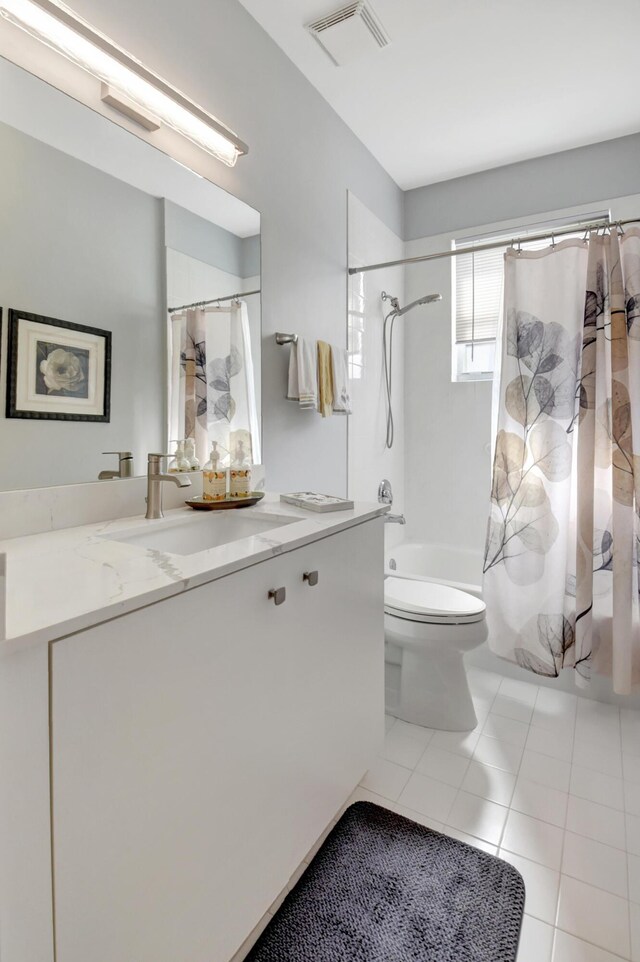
column 384, row 889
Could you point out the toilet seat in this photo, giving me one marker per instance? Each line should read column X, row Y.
column 431, row 603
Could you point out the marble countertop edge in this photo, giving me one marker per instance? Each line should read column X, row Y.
column 90, row 557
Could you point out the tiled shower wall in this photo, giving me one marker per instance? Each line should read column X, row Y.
column 370, row 241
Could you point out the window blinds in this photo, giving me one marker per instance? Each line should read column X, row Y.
column 478, row 291
column 479, row 276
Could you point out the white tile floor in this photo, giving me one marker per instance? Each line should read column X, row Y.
column 549, row 782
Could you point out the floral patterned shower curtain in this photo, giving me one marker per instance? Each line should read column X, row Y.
column 212, row 386
column 561, row 557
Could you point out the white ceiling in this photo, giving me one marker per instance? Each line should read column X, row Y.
column 466, row 85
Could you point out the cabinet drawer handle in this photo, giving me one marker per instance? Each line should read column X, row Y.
column 279, row 595
column 311, row 577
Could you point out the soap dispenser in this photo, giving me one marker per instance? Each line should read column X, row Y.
column 240, row 473
column 179, row 462
column 190, row 454
column 214, row 477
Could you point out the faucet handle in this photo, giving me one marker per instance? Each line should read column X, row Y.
column 121, row 454
column 385, row 493
column 158, row 457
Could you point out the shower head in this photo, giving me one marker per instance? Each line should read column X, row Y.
column 398, row 311
column 427, row 299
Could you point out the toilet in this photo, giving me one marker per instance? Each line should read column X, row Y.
column 434, row 625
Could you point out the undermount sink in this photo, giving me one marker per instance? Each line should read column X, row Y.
column 199, row 532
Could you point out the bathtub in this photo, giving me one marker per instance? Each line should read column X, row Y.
column 459, row 567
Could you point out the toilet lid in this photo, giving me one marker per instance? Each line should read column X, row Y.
column 430, row 598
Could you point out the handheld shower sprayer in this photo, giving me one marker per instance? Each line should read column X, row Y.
column 396, row 311
column 427, row 299
column 399, row 311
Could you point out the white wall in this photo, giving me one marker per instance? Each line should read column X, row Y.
column 447, row 425
column 370, row 461
column 255, row 327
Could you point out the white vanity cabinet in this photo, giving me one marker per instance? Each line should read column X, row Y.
column 200, row 745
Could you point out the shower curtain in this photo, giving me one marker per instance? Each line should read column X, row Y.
column 561, row 557
column 212, row 387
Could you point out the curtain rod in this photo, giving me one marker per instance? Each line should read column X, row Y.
column 215, row 300
column 547, row 235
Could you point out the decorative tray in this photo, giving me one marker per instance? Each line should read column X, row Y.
column 312, row 501
column 199, row 504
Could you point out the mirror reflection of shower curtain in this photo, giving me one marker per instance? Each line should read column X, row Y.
column 212, row 386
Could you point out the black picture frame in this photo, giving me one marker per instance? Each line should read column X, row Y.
column 15, row 408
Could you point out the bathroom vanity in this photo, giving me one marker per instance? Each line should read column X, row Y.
column 172, row 740
column 175, row 734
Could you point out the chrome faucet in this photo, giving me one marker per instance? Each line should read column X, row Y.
column 385, row 492
column 125, row 466
column 385, row 496
column 155, row 477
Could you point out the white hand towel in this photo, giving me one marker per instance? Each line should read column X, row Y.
column 341, row 396
column 307, row 373
column 293, row 387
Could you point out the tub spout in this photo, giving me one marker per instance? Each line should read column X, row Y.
column 395, row 519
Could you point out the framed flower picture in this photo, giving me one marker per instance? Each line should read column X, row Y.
column 57, row 370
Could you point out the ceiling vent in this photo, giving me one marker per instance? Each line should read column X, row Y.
column 349, row 33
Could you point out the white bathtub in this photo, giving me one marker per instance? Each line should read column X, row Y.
column 458, row 567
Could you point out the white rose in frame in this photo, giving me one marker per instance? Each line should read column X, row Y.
column 62, row 371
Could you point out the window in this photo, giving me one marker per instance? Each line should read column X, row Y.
column 477, row 280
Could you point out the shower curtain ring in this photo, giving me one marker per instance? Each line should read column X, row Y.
column 620, row 228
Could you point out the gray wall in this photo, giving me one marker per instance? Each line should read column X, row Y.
column 581, row 176
column 301, row 162
column 208, row 242
column 250, row 263
column 80, row 245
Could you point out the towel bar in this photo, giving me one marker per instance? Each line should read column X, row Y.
column 286, row 338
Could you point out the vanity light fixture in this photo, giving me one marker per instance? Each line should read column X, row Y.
column 127, row 85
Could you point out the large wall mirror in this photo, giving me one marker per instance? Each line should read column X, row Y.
column 107, row 249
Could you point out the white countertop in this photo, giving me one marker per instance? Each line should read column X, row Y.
column 64, row 581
